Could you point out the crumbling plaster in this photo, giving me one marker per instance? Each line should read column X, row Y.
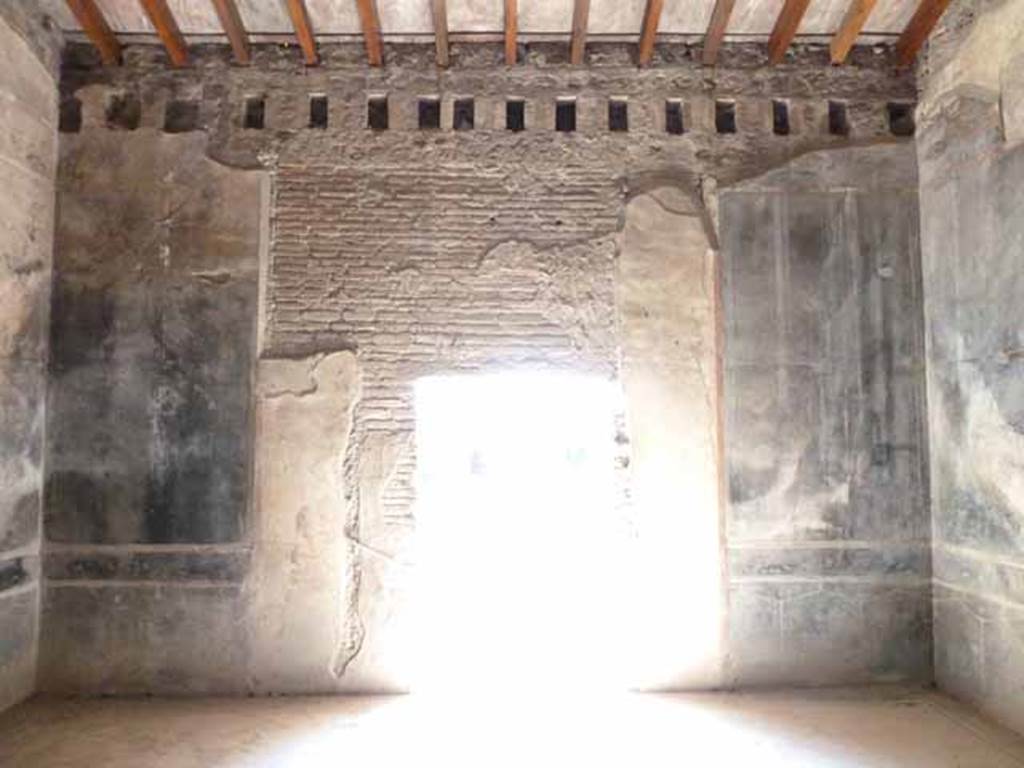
column 303, row 561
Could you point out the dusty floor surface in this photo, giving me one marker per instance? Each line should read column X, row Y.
column 865, row 727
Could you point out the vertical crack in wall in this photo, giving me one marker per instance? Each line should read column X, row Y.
column 353, row 630
column 298, row 588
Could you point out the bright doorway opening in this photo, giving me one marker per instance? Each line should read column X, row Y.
column 521, row 542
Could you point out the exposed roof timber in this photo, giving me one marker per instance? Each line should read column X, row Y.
column 230, row 19
column 111, row 24
column 844, row 38
column 303, row 30
column 920, row 26
column 439, row 11
column 580, row 16
column 786, row 26
column 716, row 31
column 95, row 26
column 370, row 21
column 511, row 31
column 163, row 21
column 649, row 30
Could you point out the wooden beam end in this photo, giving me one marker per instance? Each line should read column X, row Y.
column 580, row 19
column 95, row 26
column 649, row 31
column 918, row 29
column 511, row 32
column 370, row 22
column 303, row 31
column 717, row 25
column 836, row 55
column 439, row 11
column 231, row 22
column 167, row 28
column 786, row 27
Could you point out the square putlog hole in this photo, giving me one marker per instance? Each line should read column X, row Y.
column 780, row 118
column 377, row 113
column 515, row 115
column 618, row 115
column 255, row 113
column 674, row 117
column 70, row 118
column 725, row 116
column 463, row 115
column 124, row 111
column 901, row 119
column 181, row 116
column 565, row 115
column 428, row 110
column 318, row 112
column 838, row 123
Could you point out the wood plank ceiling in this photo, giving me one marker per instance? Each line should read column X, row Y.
column 843, row 23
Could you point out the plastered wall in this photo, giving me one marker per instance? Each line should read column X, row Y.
column 28, row 148
column 828, row 527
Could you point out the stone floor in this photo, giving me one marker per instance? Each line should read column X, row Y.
column 863, row 727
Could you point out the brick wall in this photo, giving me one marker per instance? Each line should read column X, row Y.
column 442, row 268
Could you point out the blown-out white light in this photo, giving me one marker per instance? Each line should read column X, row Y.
column 521, row 557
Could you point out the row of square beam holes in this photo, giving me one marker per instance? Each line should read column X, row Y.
column 182, row 116
column 901, row 120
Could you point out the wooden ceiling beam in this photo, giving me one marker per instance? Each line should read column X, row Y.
column 511, row 31
column 95, row 26
column 786, row 25
column 167, row 28
column 649, row 31
column 303, row 31
column 920, row 26
column 715, row 33
column 439, row 11
column 580, row 16
column 370, row 21
column 231, row 21
column 848, row 32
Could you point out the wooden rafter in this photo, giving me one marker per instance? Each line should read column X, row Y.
column 920, row 26
column 649, row 30
column 370, row 21
column 167, row 28
column 439, row 11
column 717, row 25
column 580, row 14
column 95, row 26
column 511, row 31
column 844, row 38
column 303, row 30
column 785, row 28
column 231, row 21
